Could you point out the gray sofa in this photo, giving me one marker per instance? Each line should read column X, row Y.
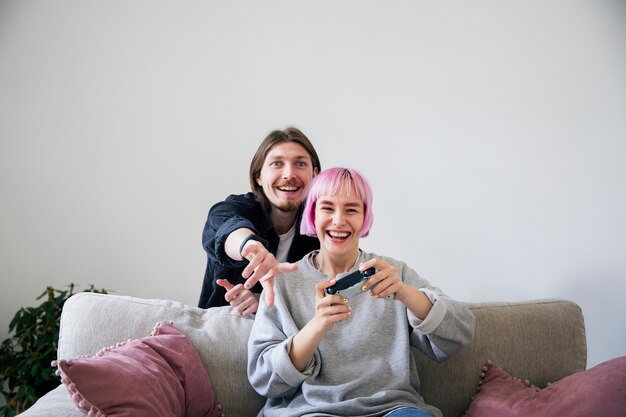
column 542, row 341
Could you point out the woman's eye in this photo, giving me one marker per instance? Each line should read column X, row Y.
column 275, row 163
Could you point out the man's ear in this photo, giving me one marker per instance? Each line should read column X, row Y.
column 315, row 171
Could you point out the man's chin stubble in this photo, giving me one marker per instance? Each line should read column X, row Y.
column 288, row 207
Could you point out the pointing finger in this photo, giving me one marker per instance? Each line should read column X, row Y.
column 224, row 283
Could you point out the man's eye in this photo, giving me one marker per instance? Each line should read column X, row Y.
column 302, row 164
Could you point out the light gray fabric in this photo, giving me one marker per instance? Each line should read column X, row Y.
column 540, row 340
column 57, row 403
column 363, row 365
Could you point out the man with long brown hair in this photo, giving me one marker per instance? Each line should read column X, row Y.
column 251, row 238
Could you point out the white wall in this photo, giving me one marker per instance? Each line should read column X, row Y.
column 493, row 132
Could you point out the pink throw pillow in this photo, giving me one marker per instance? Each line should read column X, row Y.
column 158, row 375
column 598, row 391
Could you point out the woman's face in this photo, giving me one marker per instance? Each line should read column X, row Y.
column 338, row 220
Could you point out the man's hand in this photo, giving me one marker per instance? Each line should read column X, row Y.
column 244, row 301
column 263, row 267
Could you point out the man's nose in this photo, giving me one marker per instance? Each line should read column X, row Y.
column 288, row 171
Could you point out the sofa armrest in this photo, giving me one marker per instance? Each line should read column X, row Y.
column 56, row 403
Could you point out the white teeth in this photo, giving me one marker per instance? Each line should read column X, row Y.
column 340, row 235
column 288, row 188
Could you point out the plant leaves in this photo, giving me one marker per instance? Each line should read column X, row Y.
column 26, row 354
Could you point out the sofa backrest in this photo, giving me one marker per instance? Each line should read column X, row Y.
column 540, row 340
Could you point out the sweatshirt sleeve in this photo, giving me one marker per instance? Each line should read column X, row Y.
column 449, row 326
column 270, row 370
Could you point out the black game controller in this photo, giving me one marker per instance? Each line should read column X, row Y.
column 350, row 285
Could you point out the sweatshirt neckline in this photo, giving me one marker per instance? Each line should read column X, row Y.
column 318, row 274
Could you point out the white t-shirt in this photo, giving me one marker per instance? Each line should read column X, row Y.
column 285, row 244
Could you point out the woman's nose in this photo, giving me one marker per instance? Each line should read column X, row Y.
column 338, row 218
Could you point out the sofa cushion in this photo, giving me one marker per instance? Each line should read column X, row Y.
column 158, row 375
column 599, row 391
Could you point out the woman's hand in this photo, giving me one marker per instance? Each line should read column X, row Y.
column 329, row 309
column 386, row 281
column 243, row 300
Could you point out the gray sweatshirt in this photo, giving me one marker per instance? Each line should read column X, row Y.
column 363, row 366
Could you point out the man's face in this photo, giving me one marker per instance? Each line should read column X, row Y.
column 286, row 172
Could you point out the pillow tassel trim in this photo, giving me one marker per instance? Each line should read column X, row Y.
column 84, row 405
column 488, row 365
column 157, row 327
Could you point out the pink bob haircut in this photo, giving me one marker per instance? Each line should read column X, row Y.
column 329, row 182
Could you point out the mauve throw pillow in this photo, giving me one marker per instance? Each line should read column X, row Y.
column 598, row 391
column 158, row 375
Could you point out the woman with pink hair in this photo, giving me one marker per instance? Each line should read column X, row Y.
column 319, row 352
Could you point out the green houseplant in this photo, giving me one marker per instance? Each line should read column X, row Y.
column 25, row 356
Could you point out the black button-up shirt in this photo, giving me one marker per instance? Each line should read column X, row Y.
column 235, row 212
